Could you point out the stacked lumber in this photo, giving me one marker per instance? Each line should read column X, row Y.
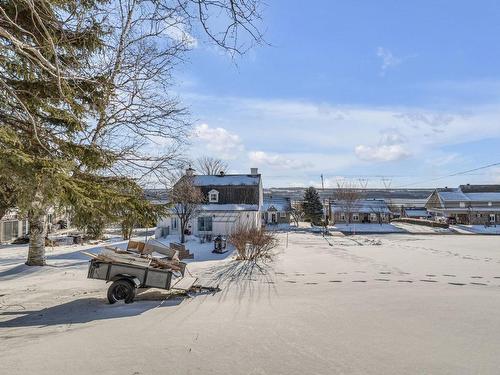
column 116, row 255
column 181, row 249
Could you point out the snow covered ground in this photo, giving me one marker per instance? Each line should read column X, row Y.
column 361, row 304
column 476, row 229
column 354, row 228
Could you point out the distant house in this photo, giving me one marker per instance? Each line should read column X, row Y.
column 230, row 200
column 415, row 213
column 13, row 225
column 276, row 210
column 361, row 211
column 467, row 204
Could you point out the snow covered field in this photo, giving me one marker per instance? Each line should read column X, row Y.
column 366, row 304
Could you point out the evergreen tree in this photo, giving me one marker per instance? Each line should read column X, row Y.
column 46, row 100
column 81, row 103
column 313, row 209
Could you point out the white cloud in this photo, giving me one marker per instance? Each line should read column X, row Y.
column 176, row 29
column 275, row 160
column 328, row 136
column 388, row 59
column 381, row 152
column 391, row 146
column 218, row 140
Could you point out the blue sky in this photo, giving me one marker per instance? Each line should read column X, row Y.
column 355, row 89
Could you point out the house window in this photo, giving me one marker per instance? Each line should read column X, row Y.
column 355, row 217
column 373, row 217
column 490, row 204
column 173, row 223
column 205, row 224
column 213, row 196
column 492, row 218
column 462, row 204
column 282, row 214
column 342, row 217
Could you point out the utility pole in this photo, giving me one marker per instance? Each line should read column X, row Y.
column 325, row 215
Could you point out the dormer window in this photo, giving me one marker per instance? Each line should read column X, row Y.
column 213, row 196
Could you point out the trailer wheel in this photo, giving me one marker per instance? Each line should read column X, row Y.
column 121, row 290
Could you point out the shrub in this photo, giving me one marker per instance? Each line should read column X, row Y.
column 253, row 243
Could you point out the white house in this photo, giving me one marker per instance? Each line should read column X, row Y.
column 231, row 200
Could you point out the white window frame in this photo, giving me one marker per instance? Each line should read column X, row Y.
column 213, row 196
column 494, row 217
column 462, row 204
column 282, row 214
column 173, row 223
column 342, row 217
column 355, row 217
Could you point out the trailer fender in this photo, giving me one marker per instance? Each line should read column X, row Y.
column 134, row 280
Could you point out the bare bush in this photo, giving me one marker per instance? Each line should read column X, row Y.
column 253, row 243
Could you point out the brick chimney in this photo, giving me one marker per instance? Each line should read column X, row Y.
column 254, row 171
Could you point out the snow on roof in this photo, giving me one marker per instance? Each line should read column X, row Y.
column 457, row 195
column 363, row 206
column 489, row 197
column 452, row 195
column 278, row 203
column 230, row 207
column 227, row 179
column 416, row 212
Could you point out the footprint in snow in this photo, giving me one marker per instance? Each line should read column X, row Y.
column 311, row 283
column 382, row 279
column 450, row 275
column 429, row 281
column 405, row 281
column 479, row 284
column 335, row 281
column 476, row 277
column 290, row 281
column 359, row 281
column 460, row 284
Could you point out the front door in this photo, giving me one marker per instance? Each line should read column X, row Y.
column 274, row 218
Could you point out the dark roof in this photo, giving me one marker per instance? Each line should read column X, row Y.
column 227, row 180
column 480, row 188
column 278, row 203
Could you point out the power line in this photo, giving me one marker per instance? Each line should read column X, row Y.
column 452, row 175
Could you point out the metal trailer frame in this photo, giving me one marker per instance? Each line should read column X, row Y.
column 135, row 276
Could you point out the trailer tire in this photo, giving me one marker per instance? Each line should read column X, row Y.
column 121, row 289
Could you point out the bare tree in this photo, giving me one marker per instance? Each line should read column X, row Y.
column 253, row 243
column 103, row 69
column 297, row 213
column 211, row 166
column 186, row 199
column 347, row 197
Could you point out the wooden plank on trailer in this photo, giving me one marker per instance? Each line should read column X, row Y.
column 184, row 283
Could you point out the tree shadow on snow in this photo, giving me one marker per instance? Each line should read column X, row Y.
column 248, row 279
column 82, row 310
column 62, row 260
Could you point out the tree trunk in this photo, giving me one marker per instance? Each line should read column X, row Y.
column 38, row 232
column 183, row 229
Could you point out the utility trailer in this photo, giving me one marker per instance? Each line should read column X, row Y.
column 126, row 278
